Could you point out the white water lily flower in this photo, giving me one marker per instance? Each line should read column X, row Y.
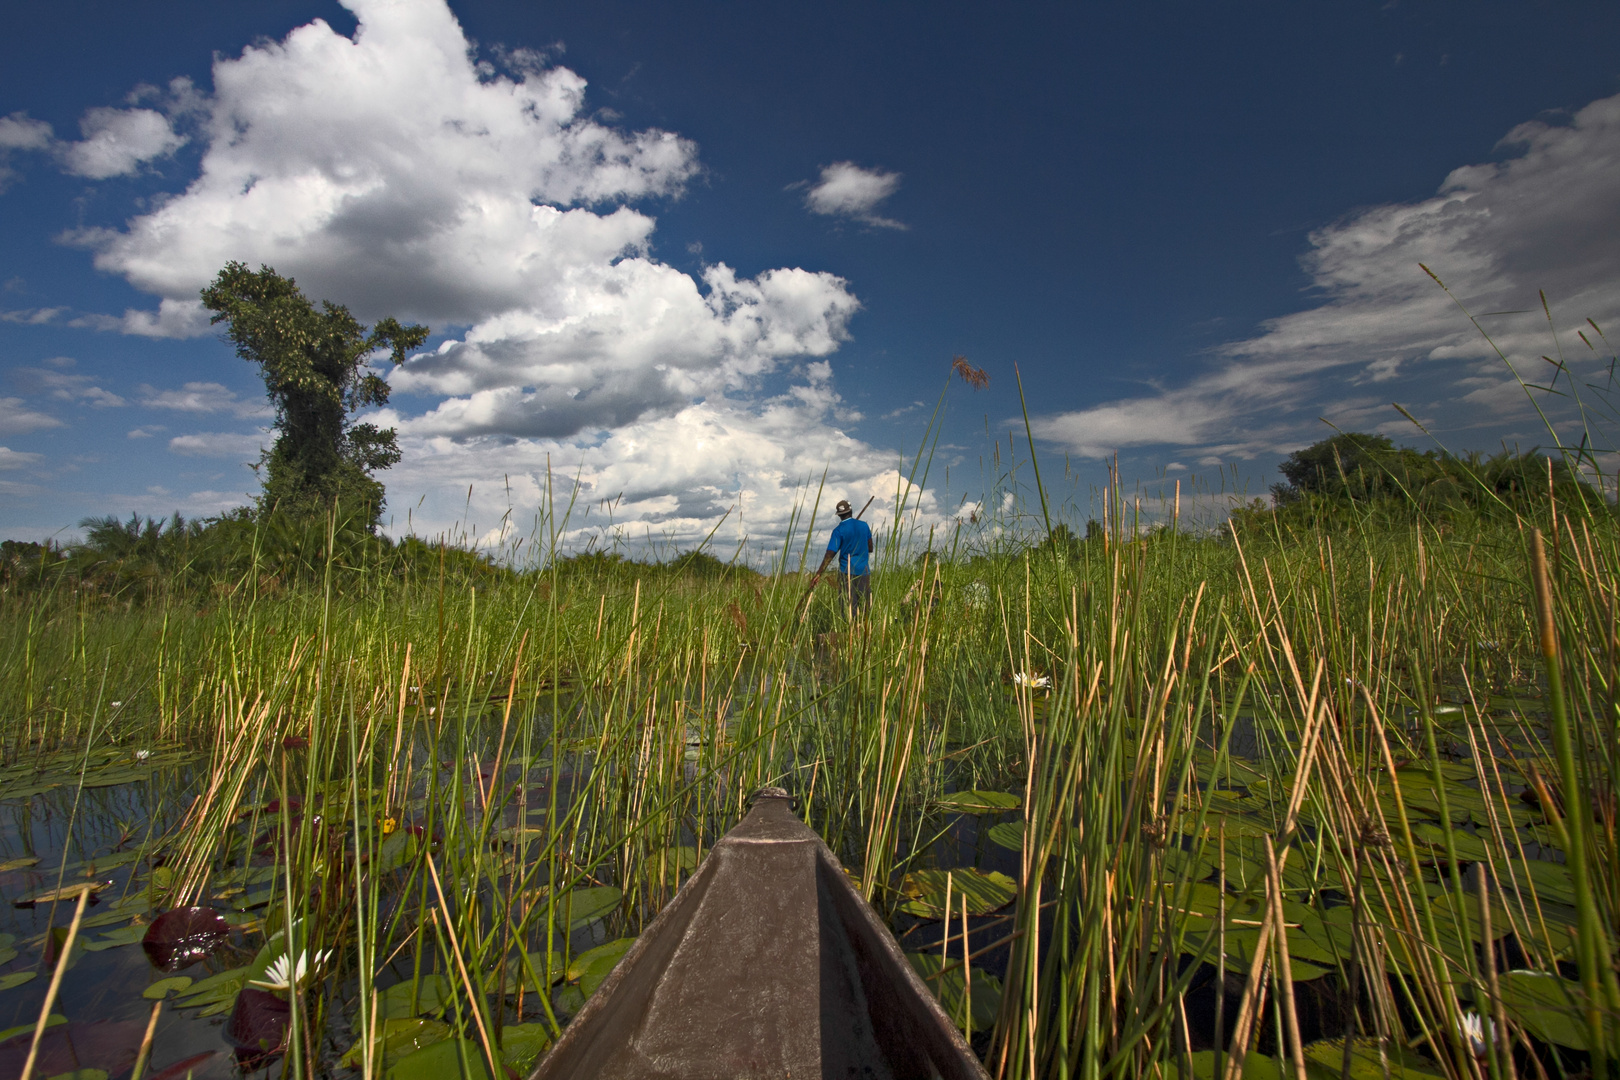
column 1474, row 1028
column 1034, row 682
column 284, row 971
column 142, row 755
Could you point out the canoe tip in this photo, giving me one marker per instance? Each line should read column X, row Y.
column 768, row 792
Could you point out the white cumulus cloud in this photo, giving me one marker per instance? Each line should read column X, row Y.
column 202, row 397
column 16, row 418
column 1498, row 234
column 118, row 141
column 220, row 444
column 397, row 173
column 17, row 459
column 847, row 190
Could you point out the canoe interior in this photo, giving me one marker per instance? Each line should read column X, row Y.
column 767, row 963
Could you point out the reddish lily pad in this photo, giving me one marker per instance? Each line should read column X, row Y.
column 182, row 936
column 258, row 1024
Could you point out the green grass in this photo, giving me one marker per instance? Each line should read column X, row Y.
column 556, row 733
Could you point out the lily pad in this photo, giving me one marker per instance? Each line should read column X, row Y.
column 258, row 1022
column 1324, row 1060
column 400, row 1036
column 444, row 1060
column 951, row 990
column 16, row 978
column 593, row 965
column 433, row 995
column 215, row 994
column 22, row 863
column 979, row 802
column 163, row 987
column 1547, row 1005
column 182, row 936
column 985, row 892
column 129, row 935
column 582, row 906
column 1008, row 834
column 522, row 1045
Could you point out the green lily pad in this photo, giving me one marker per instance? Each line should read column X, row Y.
column 1550, row 880
column 951, row 990
column 979, row 802
column 15, row 978
column 985, row 892
column 22, row 863
column 444, row 1060
column 400, row 1036
column 522, row 1045
column 53, row 1020
column 1255, row 1067
column 81, row 1074
column 161, row 989
column 593, row 965
column 582, row 906
column 433, row 995
column 1324, row 1060
column 129, row 935
column 1550, row 1007
column 1008, row 834
column 215, row 994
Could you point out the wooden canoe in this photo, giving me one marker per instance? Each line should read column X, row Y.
column 768, row 963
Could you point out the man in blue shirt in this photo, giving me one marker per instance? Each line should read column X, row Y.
column 851, row 541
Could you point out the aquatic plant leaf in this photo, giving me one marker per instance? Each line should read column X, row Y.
column 522, row 1045
column 183, row 936
column 518, row 834
column 53, row 1020
column 1008, row 834
column 15, row 978
column 951, row 989
column 66, row 892
column 680, row 858
column 161, row 989
column 1233, row 826
column 582, row 906
column 258, row 1022
column 1550, row 1007
column 1255, row 1067
column 592, row 966
column 1324, row 1060
column 979, row 802
column 1182, row 865
column 182, row 1069
column 433, row 995
column 129, row 935
column 115, row 777
column 567, row 999
column 22, row 863
column 81, row 1074
column 215, row 994
column 985, row 892
column 1551, row 880
column 107, row 1045
column 400, row 1036
column 444, row 1060
column 105, row 918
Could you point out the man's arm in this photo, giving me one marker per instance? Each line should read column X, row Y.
column 825, row 559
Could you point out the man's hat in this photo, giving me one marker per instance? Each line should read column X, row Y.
column 843, row 508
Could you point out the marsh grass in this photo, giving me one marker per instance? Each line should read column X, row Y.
column 1291, row 802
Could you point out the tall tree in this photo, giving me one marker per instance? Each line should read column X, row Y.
column 314, row 368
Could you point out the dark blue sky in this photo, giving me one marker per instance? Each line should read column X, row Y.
column 1108, row 196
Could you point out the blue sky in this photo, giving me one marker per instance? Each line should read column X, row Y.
column 688, row 253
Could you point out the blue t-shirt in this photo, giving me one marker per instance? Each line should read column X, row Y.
column 852, row 539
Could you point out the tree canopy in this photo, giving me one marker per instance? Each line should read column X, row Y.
column 314, row 365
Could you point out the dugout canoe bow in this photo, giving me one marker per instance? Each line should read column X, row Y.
column 768, row 963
